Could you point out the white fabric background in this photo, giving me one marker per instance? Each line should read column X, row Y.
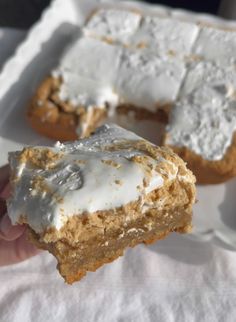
column 174, row 280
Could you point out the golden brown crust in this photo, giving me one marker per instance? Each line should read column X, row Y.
column 47, row 117
column 72, row 275
column 58, row 120
column 209, row 172
column 140, row 113
column 87, row 241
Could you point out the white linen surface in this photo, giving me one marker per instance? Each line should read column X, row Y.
column 174, row 280
column 9, row 39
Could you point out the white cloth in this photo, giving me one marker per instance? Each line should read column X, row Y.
column 9, row 39
column 173, row 280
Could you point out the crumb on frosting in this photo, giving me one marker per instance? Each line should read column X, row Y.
column 111, row 163
column 142, row 44
column 43, row 159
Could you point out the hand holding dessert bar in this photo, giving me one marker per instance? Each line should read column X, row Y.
column 14, row 246
column 88, row 200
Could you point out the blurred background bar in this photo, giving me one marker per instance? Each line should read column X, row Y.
column 23, row 13
column 209, row 6
column 227, row 9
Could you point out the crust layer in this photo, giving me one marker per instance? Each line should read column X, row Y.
column 88, row 241
column 72, row 273
column 210, row 172
column 58, row 120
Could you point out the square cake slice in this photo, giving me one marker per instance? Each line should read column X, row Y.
column 86, row 201
column 216, row 45
column 202, row 123
column 166, row 35
column 113, row 24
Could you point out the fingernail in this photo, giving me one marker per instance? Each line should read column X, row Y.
column 2, row 186
column 4, row 176
column 5, row 193
column 8, row 231
column 3, row 207
column 5, row 225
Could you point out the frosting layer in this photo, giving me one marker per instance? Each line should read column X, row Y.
column 113, row 24
column 97, row 74
column 166, row 35
column 143, row 78
column 204, row 119
column 125, row 57
column 216, row 45
column 89, row 70
column 99, row 173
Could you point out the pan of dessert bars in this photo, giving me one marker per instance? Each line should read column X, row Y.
column 214, row 216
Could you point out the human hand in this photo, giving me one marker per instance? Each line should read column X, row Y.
column 14, row 246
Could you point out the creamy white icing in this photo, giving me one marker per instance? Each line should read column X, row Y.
column 96, row 74
column 88, row 70
column 153, row 71
column 161, row 34
column 147, row 80
column 204, row 119
column 208, row 73
column 115, row 24
column 216, row 45
column 86, row 178
column 166, row 34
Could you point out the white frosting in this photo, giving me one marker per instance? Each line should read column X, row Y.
column 113, row 23
column 147, row 80
column 204, row 119
column 97, row 74
column 216, row 45
column 166, row 34
column 87, row 177
column 81, row 91
column 207, row 73
column 161, row 34
column 152, row 72
column 88, row 69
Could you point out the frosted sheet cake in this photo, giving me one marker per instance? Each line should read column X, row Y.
column 86, row 201
column 128, row 66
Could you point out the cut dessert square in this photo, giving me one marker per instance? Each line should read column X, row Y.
column 95, row 81
column 143, row 77
column 207, row 73
column 161, row 34
column 142, row 70
column 216, row 45
column 166, row 35
column 113, row 24
column 88, row 200
column 202, row 123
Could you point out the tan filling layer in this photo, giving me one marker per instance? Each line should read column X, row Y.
column 86, row 242
column 209, row 172
column 59, row 120
column 76, row 260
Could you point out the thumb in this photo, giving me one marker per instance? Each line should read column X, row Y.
column 16, row 251
column 8, row 231
column 4, row 176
